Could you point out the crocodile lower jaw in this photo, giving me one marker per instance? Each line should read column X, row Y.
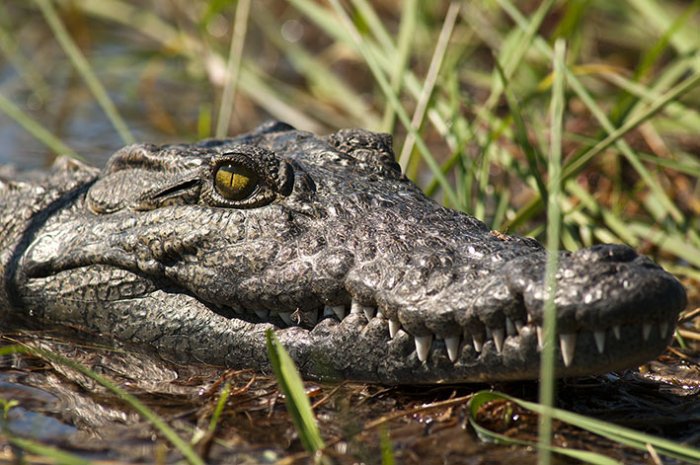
column 581, row 352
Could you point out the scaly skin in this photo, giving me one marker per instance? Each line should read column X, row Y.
column 149, row 250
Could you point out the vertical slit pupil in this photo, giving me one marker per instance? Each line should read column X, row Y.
column 235, row 181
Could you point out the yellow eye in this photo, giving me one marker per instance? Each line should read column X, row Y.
column 235, row 182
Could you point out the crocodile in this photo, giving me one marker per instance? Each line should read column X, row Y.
column 197, row 250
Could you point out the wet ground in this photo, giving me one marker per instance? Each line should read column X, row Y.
column 424, row 425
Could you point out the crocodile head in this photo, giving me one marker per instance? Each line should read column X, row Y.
column 197, row 249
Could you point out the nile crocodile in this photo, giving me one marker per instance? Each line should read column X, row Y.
column 197, row 249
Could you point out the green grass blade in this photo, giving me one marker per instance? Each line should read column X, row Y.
column 83, row 67
column 292, row 387
column 614, row 135
column 325, row 84
column 145, row 412
column 233, row 67
column 611, row 431
column 483, row 397
column 521, row 135
column 407, row 31
column 512, row 56
column 548, row 354
column 575, row 165
column 675, row 244
column 35, row 129
column 430, row 81
column 385, row 447
column 393, row 99
column 24, row 66
column 220, row 404
column 375, row 24
column 55, row 455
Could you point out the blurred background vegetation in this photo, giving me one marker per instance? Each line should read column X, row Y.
column 473, row 78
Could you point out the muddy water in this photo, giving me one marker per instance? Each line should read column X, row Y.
column 60, row 407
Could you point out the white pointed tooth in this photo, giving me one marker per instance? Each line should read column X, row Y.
column 519, row 325
column 599, row 337
column 540, row 337
column 337, row 310
column 529, row 318
column 646, row 330
column 423, row 344
column 498, row 337
column 510, row 327
column 263, row 314
column 452, row 344
column 478, row 343
column 368, row 311
column 616, row 332
column 286, row 317
column 663, row 329
column 355, row 307
column 567, row 344
column 394, row 327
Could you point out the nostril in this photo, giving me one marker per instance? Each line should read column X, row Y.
column 606, row 253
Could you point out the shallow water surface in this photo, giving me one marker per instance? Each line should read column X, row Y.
column 62, row 408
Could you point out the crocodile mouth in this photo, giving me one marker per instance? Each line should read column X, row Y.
column 375, row 336
column 600, row 328
column 576, row 349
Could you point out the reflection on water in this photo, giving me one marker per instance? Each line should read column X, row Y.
column 43, row 83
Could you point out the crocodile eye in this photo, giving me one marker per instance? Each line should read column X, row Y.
column 235, row 181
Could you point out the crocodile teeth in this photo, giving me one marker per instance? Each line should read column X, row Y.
column 337, row 310
column 510, row 327
column 286, row 317
column 263, row 314
column 355, row 307
column 663, row 329
column 599, row 337
column 423, row 344
column 498, row 337
column 452, row 344
column 616, row 332
column 540, row 337
column 478, row 343
column 394, row 327
column 369, row 312
column 518, row 325
column 567, row 344
column 646, row 330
